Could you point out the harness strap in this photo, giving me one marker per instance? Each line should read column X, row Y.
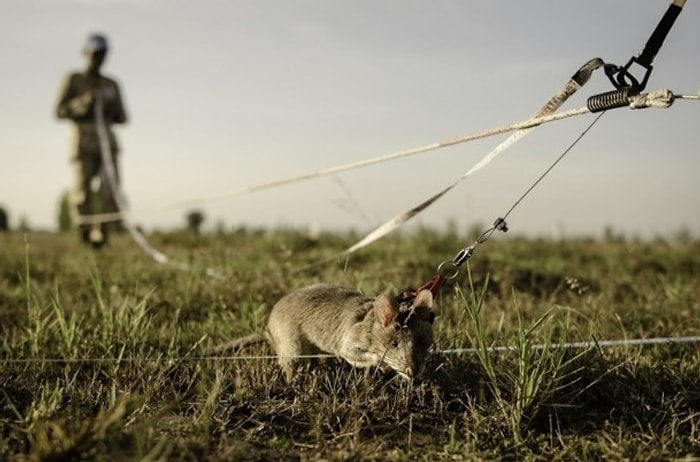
column 433, row 285
column 621, row 77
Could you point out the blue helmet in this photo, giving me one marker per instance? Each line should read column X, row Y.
column 96, row 43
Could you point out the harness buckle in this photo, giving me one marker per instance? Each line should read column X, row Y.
column 622, row 78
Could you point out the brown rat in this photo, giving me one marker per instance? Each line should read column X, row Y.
column 365, row 331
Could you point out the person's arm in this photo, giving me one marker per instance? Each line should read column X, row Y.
column 120, row 114
column 72, row 106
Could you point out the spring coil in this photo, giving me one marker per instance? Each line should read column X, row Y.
column 610, row 100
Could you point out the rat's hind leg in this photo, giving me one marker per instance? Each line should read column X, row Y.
column 289, row 349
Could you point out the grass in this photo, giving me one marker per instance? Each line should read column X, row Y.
column 101, row 352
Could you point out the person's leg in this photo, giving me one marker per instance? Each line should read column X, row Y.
column 84, row 170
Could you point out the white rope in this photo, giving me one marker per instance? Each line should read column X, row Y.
column 106, row 217
column 530, row 123
column 450, row 351
column 555, row 102
column 110, row 176
column 659, row 99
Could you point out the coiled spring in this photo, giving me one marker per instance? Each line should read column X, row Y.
column 610, row 100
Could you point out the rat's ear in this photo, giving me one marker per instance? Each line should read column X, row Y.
column 385, row 309
column 423, row 298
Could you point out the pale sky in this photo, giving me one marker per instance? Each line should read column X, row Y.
column 224, row 94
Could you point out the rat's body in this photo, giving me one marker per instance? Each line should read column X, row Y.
column 365, row 331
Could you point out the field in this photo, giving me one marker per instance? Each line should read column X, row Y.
column 103, row 354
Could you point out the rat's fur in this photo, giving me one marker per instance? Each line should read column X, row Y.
column 365, row 331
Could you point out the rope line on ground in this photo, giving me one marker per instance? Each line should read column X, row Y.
column 450, row 351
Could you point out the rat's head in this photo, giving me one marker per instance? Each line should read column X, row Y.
column 405, row 333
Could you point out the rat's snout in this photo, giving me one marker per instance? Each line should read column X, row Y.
column 405, row 368
column 406, row 373
column 410, row 371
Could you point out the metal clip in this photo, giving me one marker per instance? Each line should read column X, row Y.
column 622, row 78
column 501, row 225
column 463, row 255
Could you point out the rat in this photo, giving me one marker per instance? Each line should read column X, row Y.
column 365, row 331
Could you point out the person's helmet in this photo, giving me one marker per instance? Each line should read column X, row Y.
column 95, row 43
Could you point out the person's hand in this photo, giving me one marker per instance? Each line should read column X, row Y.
column 88, row 98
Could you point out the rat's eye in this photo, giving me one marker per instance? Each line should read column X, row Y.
column 394, row 343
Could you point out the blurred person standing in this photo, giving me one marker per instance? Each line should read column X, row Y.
column 91, row 192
